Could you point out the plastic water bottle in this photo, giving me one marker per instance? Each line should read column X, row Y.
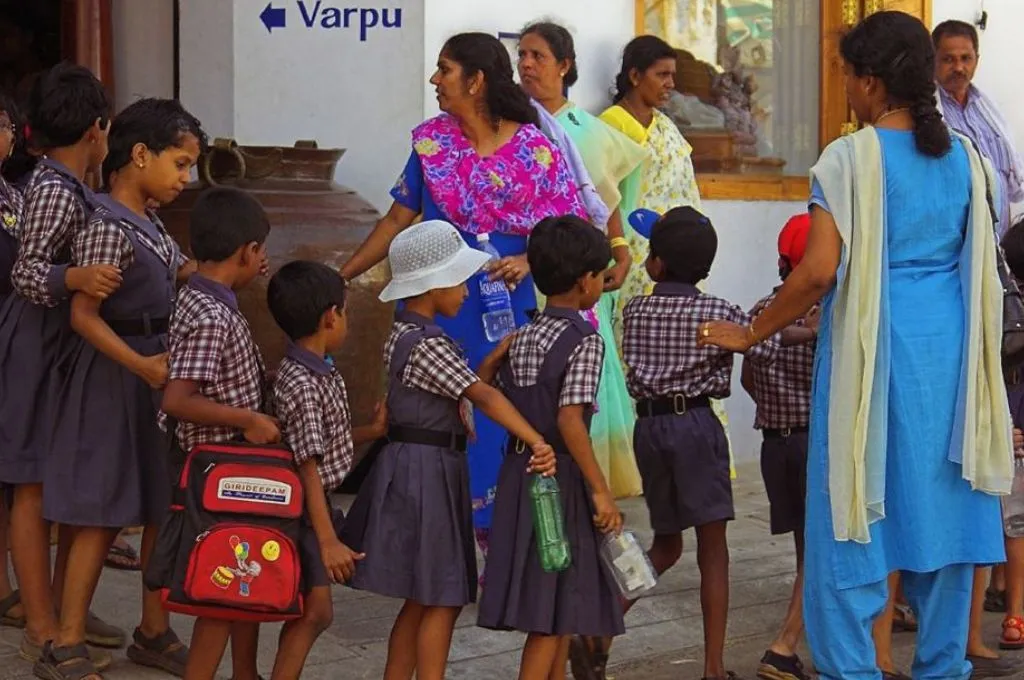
column 549, row 524
column 629, row 564
column 498, row 318
column 1013, row 505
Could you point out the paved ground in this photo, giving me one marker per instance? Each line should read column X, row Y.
column 664, row 630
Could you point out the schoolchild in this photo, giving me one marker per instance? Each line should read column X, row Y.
column 680, row 445
column 110, row 464
column 307, row 300
column 69, row 117
column 413, row 516
column 12, row 205
column 552, row 374
column 781, row 390
column 215, row 382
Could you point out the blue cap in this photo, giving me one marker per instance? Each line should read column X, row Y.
column 642, row 221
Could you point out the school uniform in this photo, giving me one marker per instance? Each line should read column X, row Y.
column 413, row 516
column 782, row 394
column 109, row 464
column 12, row 208
column 311, row 403
column 555, row 361
column 680, row 445
column 35, row 320
column 211, row 344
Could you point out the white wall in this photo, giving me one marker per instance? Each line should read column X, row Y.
column 143, row 29
column 207, row 62
column 328, row 85
column 600, row 31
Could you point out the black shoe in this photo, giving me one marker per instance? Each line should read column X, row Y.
column 775, row 666
column 993, row 668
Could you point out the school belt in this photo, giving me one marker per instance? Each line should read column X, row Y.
column 416, row 435
column 674, row 405
column 782, row 432
column 143, row 327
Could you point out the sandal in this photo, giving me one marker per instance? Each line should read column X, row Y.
column 65, row 663
column 99, row 633
column 775, row 666
column 895, row 675
column 1014, row 623
column 903, row 619
column 29, row 651
column 587, row 658
column 165, row 651
column 995, row 600
column 6, row 605
column 123, row 557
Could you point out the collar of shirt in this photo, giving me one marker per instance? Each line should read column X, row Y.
column 310, row 360
column 405, row 316
column 950, row 100
column 122, row 212
column 57, row 166
column 561, row 312
column 214, row 289
column 676, row 289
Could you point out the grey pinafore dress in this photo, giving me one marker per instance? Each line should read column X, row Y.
column 518, row 594
column 413, row 516
column 33, row 340
column 109, row 464
column 11, row 208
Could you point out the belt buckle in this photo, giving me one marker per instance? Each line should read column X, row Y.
column 520, row 447
column 679, row 404
column 147, row 325
column 786, row 432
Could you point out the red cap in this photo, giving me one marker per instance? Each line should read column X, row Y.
column 793, row 238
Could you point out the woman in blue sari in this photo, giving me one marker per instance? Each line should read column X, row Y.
column 910, row 438
column 484, row 166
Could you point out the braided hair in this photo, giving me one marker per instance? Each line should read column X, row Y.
column 640, row 53
column 897, row 49
column 483, row 53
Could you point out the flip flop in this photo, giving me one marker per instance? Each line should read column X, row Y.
column 1012, row 623
column 587, row 658
column 6, row 605
column 130, row 560
column 995, row 600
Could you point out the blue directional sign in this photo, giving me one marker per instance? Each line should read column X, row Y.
column 315, row 14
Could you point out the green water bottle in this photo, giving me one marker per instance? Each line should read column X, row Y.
column 549, row 524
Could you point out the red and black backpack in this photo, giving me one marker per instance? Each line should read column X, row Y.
column 229, row 547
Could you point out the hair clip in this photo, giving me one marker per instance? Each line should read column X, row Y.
column 27, row 131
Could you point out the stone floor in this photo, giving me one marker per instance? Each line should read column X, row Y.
column 663, row 639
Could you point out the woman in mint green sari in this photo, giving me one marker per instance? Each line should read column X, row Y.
column 547, row 67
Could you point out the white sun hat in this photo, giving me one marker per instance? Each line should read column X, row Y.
column 429, row 255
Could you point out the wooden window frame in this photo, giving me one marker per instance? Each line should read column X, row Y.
column 834, row 116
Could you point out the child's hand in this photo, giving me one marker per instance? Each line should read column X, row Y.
column 813, row 318
column 262, row 430
column 380, row 419
column 499, row 353
column 607, row 517
column 542, row 460
column 1018, row 443
column 339, row 560
column 98, row 280
column 154, row 370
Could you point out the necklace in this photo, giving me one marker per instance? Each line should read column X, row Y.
column 890, row 112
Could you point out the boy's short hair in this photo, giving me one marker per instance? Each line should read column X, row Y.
column 1013, row 249
column 223, row 220
column 686, row 242
column 561, row 250
column 299, row 294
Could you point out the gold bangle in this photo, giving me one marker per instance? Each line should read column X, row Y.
column 619, row 242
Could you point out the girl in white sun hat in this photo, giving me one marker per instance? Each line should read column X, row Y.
column 413, row 516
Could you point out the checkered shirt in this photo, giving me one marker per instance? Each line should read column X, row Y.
column 54, row 214
column 659, row 344
column 312, row 406
column 782, row 388
column 12, row 208
column 104, row 241
column 583, row 370
column 435, row 365
column 210, row 343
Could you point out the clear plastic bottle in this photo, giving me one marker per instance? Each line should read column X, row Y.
column 629, row 564
column 549, row 524
column 1013, row 505
column 498, row 318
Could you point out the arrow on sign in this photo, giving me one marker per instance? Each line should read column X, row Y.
column 272, row 17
